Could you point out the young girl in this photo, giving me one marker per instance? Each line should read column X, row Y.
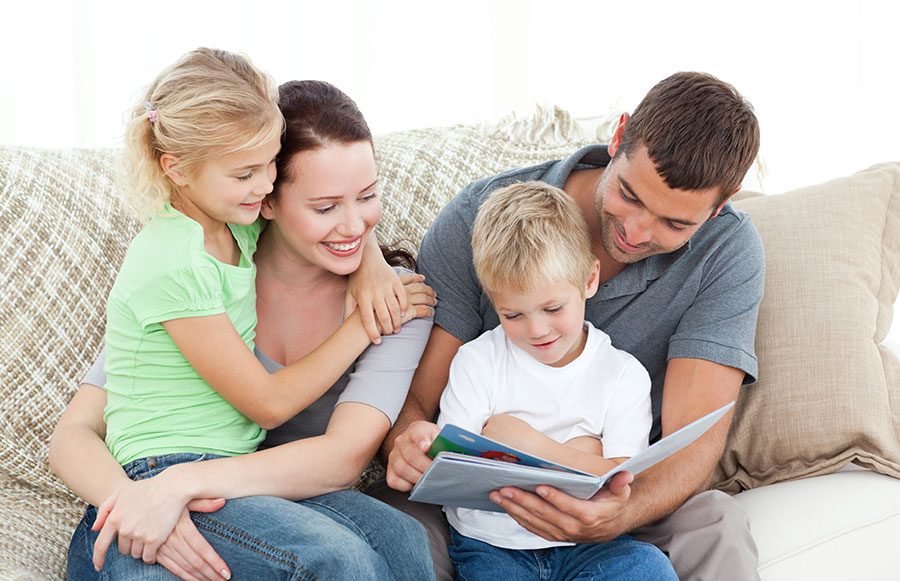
column 182, row 380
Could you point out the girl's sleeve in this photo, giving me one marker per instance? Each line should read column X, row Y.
column 178, row 294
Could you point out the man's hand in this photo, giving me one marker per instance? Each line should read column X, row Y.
column 556, row 516
column 408, row 459
column 187, row 554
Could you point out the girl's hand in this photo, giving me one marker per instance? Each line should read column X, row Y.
column 421, row 297
column 186, row 553
column 142, row 514
column 380, row 295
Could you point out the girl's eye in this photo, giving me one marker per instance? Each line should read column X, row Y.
column 324, row 210
column 245, row 177
column 369, row 197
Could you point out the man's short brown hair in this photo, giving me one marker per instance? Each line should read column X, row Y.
column 699, row 132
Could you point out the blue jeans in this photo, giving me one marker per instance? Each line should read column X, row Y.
column 621, row 558
column 340, row 535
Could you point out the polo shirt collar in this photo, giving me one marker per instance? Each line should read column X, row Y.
column 588, row 157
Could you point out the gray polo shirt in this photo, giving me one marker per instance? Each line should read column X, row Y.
column 700, row 301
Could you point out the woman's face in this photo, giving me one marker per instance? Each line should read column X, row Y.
column 325, row 213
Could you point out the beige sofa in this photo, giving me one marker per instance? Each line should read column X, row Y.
column 828, row 396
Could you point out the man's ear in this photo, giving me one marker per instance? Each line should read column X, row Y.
column 725, row 201
column 170, row 166
column 616, row 139
column 593, row 282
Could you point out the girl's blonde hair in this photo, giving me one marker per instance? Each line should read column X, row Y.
column 210, row 103
column 530, row 234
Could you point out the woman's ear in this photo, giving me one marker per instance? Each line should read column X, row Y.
column 267, row 207
column 593, row 282
column 170, row 166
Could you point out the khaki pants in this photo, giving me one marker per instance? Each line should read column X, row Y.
column 707, row 538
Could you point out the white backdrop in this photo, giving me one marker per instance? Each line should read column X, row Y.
column 822, row 75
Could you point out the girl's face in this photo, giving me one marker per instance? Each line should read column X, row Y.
column 229, row 188
column 327, row 210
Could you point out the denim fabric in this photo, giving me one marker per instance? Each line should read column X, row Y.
column 341, row 535
column 621, row 559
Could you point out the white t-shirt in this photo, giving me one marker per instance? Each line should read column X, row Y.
column 603, row 393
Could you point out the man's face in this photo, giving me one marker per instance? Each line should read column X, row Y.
column 639, row 215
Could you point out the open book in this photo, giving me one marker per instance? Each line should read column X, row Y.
column 467, row 467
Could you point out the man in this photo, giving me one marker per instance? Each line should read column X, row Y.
column 681, row 281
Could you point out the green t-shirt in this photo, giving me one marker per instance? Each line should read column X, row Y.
column 157, row 403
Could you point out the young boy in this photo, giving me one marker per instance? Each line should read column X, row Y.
column 546, row 382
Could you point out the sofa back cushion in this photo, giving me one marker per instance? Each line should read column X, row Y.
column 828, row 391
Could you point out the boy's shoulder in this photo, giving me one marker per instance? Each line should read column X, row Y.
column 601, row 346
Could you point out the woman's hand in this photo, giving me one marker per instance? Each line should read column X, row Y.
column 186, row 553
column 142, row 514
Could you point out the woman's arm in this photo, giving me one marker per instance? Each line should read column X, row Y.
column 78, row 454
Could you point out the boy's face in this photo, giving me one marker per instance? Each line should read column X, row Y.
column 547, row 323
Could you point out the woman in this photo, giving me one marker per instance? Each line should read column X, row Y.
column 321, row 214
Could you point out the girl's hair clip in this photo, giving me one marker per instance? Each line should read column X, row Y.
column 151, row 112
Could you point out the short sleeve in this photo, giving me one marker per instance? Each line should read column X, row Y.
column 626, row 425
column 466, row 401
column 177, row 294
column 382, row 375
column 96, row 375
column 445, row 258
column 720, row 325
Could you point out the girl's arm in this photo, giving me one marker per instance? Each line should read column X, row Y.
column 231, row 369
column 379, row 293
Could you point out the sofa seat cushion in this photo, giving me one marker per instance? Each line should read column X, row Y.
column 838, row 526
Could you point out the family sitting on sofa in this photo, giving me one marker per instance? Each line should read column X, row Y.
column 241, row 393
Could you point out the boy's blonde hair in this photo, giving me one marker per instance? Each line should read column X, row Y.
column 209, row 103
column 529, row 234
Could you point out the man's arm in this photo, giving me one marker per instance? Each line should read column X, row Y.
column 414, row 430
column 693, row 388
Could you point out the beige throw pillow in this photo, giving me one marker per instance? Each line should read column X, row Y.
column 828, row 393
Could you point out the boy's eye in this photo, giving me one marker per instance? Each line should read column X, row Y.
column 554, row 309
column 511, row 317
column 674, row 226
column 245, row 177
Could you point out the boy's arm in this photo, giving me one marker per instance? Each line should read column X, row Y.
column 693, row 388
column 518, row 434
